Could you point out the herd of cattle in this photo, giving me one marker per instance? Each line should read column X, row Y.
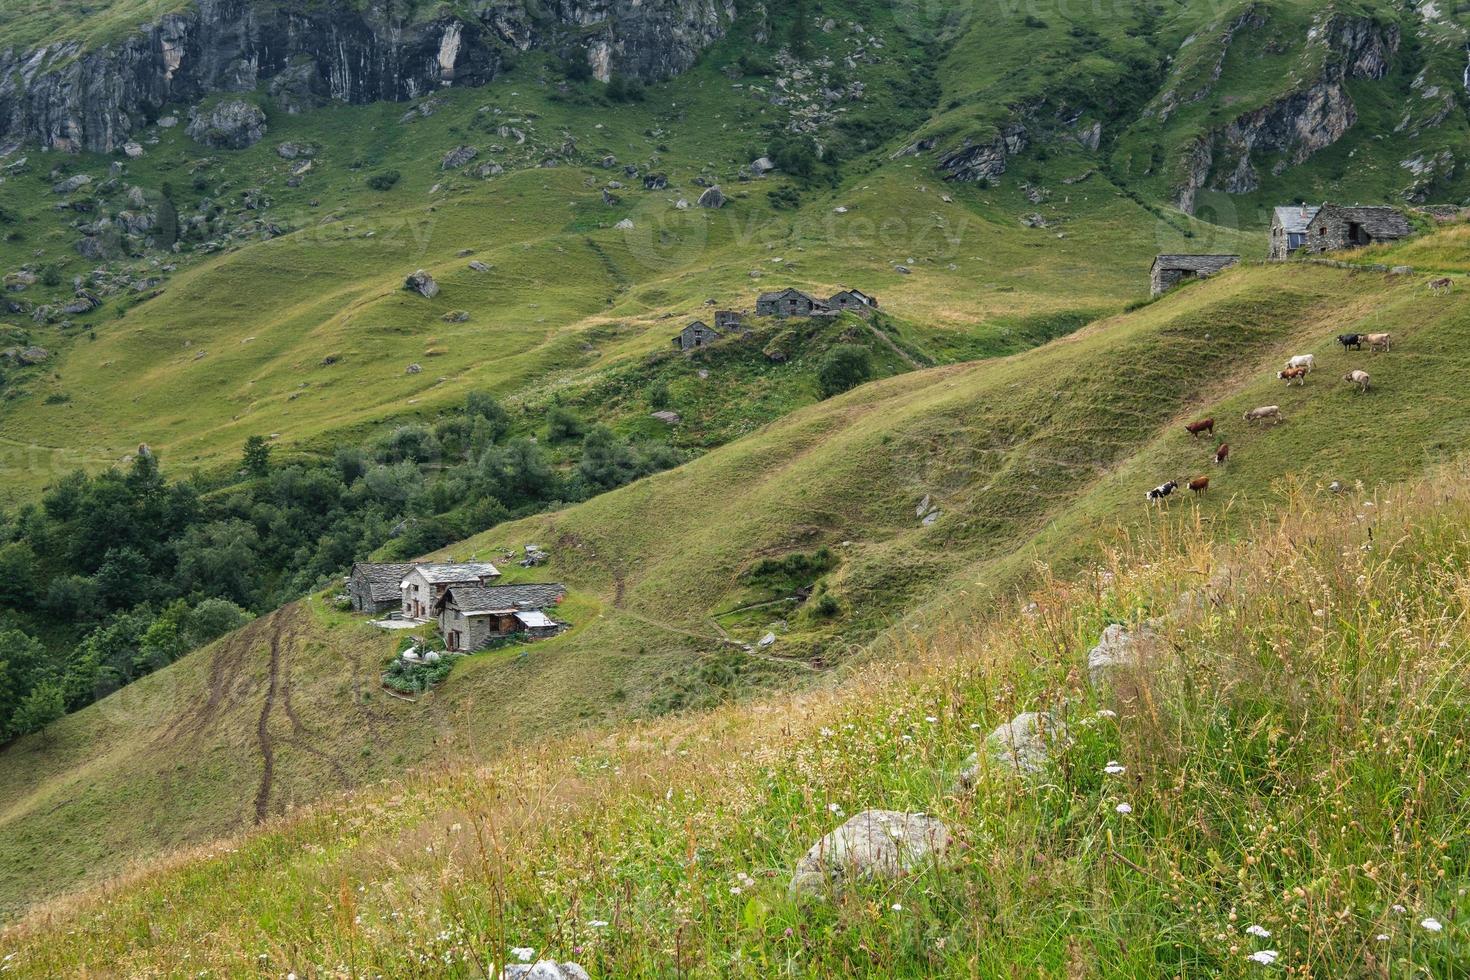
column 1296, row 371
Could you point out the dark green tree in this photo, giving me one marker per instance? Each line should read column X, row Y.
column 257, row 457
column 844, row 366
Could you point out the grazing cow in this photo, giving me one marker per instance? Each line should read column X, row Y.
column 1272, row 412
column 1359, row 378
column 1199, row 484
column 1297, row 374
column 1350, row 341
column 1203, row 425
column 1162, row 490
column 1301, row 361
column 1442, row 285
column 1379, row 341
column 1222, row 454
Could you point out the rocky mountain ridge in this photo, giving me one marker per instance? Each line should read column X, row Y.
column 67, row 98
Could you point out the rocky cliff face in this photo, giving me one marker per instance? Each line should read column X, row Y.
column 1296, row 125
column 68, row 98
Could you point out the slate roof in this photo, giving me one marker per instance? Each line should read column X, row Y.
column 1296, row 218
column 1378, row 221
column 1196, row 263
column 482, row 601
column 445, row 572
column 764, row 297
column 384, row 578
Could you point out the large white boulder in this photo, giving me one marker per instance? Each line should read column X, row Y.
column 873, row 844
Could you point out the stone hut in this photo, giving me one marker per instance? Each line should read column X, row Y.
column 426, row 584
column 376, row 587
column 788, row 303
column 853, row 299
column 697, row 334
column 727, row 320
column 472, row 616
column 1336, row 226
column 1170, row 270
column 1289, row 226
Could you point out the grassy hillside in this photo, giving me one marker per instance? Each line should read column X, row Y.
column 1039, row 457
column 1288, row 758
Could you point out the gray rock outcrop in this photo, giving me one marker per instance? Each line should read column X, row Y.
column 233, row 124
column 1117, row 649
column 422, row 283
column 544, row 970
column 713, row 198
column 1024, row 745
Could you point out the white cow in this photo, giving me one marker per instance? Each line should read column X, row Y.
column 1272, row 412
column 1302, row 361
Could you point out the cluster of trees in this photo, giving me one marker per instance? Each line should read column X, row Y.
column 110, row 577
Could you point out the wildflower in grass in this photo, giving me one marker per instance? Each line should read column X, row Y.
column 897, row 907
column 1123, row 808
column 1107, row 713
column 1432, row 924
column 1114, row 769
column 835, row 809
column 1400, row 909
column 523, row 953
column 974, row 727
column 1382, row 937
column 597, row 924
column 1260, row 932
column 931, row 719
column 826, row 732
column 1265, row 957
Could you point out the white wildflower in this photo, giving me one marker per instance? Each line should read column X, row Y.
column 826, row 732
column 1123, row 808
column 523, row 953
column 1259, row 931
column 834, row 808
column 1107, row 713
column 597, row 924
column 897, row 907
column 1432, row 924
column 1400, row 909
column 1382, row 937
column 1265, row 957
column 1113, row 768
column 930, row 719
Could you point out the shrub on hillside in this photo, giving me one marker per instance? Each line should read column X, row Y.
column 384, row 180
column 844, row 366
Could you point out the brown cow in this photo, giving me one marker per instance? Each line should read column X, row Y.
column 1442, row 285
column 1199, row 484
column 1297, row 374
column 1203, row 425
column 1379, row 341
column 1359, row 378
column 1222, row 454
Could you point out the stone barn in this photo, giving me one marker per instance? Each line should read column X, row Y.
column 375, row 587
column 1289, row 227
column 728, row 320
column 1170, row 270
column 853, row 299
column 788, row 303
column 472, row 616
column 1336, row 226
column 426, row 584
column 697, row 334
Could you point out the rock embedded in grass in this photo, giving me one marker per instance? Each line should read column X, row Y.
column 544, row 970
column 873, row 844
column 713, row 199
column 1024, row 745
column 1117, row 649
column 233, row 124
column 422, row 283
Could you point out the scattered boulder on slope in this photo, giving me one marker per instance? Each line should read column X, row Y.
column 1116, row 649
column 873, row 844
column 713, row 198
column 233, row 124
column 1024, row 745
column 71, row 184
column 422, row 283
column 458, row 157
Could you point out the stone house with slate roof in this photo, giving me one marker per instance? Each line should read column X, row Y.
column 698, row 334
column 853, row 299
column 788, row 303
column 376, row 587
column 426, row 584
column 1289, row 227
column 1170, row 270
column 472, row 616
column 1336, row 226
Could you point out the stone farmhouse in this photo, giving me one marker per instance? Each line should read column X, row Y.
column 853, row 299
column 426, row 584
column 472, row 616
column 377, row 587
column 697, row 334
column 789, row 303
column 1336, row 226
column 1170, row 270
column 1289, row 226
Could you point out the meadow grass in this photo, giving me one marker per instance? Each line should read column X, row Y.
column 1289, row 748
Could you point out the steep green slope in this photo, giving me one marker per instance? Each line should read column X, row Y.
column 1039, row 457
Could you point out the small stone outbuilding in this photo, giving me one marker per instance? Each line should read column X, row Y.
column 470, row 617
column 1170, row 270
column 697, row 334
column 376, row 587
column 727, row 320
column 1337, row 226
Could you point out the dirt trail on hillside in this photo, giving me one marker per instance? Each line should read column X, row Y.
column 224, row 673
column 262, row 728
